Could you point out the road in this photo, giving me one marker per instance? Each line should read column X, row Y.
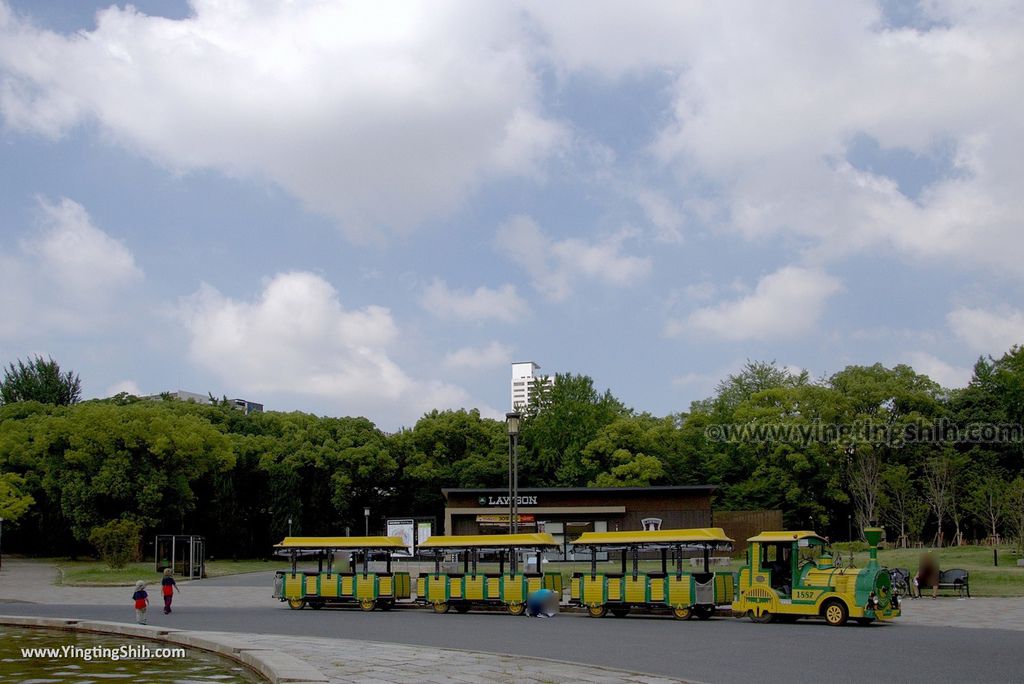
column 721, row 650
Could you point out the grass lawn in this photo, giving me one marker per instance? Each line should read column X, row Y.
column 96, row 573
column 1005, row 580
column 986, row 580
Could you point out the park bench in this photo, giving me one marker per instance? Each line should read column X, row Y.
column 955, row 578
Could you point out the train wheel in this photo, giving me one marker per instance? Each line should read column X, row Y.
column 620, row 612
column 761, row 619
column 461, row 607
column 836, row 613
column 682, row 612
column 367, row 604
column 703, row 612
column 597, row 611
column 516, row 608
column 296, row 604
column 442, row 607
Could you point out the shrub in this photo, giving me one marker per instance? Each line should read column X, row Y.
column 117, row 542
column 847, row 547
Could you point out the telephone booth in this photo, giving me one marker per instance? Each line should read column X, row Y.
column 185, row 554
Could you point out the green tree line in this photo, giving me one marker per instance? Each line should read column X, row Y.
column 868, row 443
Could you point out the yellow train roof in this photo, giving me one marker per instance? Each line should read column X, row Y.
column 342, row 543
column 784, row 536
column 490, row 541
column 714, row 536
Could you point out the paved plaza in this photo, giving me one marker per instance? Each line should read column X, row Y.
column 937, row 640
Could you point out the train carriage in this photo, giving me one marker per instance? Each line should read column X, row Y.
column 472, row 587
column 682, row 592
column 327, row 585
column 791, row 575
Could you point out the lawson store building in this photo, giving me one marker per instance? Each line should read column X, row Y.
column 566, row 513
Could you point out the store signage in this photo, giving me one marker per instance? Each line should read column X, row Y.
column 502, row 520
column 504, row 500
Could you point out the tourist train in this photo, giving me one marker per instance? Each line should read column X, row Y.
column 786, row 575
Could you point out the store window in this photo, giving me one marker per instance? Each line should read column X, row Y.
column 566, row 532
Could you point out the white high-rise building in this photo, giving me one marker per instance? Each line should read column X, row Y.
column 524, row 376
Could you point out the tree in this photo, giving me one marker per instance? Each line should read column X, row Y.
column 558, row 426
column 865, row 484
column 938, row 481
column 13, row 501
column 900, row 503
column 99, row 462
column 987, row 501
column 40, row 380
column 880, row 407
column 117, row 542
column 637, row 470
column 1015, row 510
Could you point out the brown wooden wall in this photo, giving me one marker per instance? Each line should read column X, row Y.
column 743, row 524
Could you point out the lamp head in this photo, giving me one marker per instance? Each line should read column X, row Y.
column 512, row 423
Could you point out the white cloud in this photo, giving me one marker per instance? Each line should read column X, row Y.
column 666, row 218
column 785, row 304
column 80, row 257
column 687, row 379
column 474, row 358
column 297, row 338
column 502, row 304
column 986, row 331
column 379, row 114
column 127, row 386
column 66, row 275
column 555, row 265
column 700, row 292
column 938, row 370
column 767, row 98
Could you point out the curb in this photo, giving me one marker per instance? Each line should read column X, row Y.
column 274, row 666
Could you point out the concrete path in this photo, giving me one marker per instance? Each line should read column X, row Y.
column 336, row 660
column 973, row 613
column 295, row 660
column 36, row 582
column 345, row 660
column 33, row 581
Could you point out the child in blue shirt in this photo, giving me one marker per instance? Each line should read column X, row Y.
column 141, row 599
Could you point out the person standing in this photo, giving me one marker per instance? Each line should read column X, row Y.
column 141, row 599
column 167, row 588
column 927, row 574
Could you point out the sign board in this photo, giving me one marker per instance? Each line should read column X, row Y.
column 404, row 528
column 501, row 520
column 424, row 528
column 504, row 500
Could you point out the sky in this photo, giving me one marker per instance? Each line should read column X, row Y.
column 355, row 208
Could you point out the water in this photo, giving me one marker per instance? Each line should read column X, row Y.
column 197, row 666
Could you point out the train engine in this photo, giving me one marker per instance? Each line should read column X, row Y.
column 792, row 575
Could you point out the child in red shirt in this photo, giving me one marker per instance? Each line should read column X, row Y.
column 167, row 587
column 141, row 599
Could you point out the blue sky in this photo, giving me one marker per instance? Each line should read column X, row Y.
column 374, row 208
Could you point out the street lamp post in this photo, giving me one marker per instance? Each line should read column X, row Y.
column 512, row 422
column 1, row 543
column 366, row 517
column 289, row 526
